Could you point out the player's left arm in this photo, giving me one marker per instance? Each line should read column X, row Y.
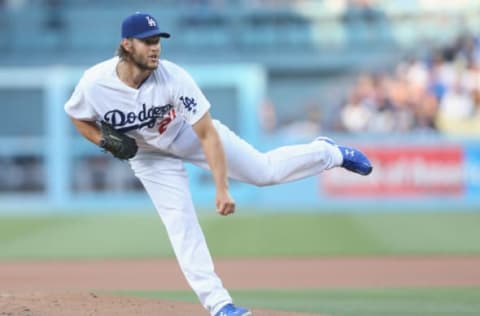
column 215, row 154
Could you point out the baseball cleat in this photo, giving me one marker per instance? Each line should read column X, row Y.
column 232, row 310
column 353, row 159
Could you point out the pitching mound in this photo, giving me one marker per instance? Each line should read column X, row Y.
column 91, row 304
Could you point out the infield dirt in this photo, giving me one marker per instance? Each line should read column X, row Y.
column 73, row 288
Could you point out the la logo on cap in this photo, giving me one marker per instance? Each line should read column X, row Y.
column 151, row 22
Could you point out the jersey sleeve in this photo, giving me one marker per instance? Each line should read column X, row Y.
column 78, row 105
column 188, row 100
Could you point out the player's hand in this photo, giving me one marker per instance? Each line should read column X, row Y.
column 224, row 203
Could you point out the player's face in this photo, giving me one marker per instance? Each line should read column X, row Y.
column 145, row 52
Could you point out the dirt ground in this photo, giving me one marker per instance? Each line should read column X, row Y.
column 72, row 288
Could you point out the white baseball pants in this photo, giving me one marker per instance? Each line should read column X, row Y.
column 165, row 179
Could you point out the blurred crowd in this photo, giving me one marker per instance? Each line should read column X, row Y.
column 438, row 93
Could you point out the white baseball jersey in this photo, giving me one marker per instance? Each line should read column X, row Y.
column 153, row 114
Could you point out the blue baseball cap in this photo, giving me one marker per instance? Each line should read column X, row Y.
column 141, row 25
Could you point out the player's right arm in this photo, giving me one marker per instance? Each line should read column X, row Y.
column 194, row 107
column 88, row 129
column 80, row 110
column 215, row 155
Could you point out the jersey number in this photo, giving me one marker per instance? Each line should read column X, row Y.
column 162, row 127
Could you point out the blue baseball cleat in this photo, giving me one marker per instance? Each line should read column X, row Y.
column 353, row 159
column 232, row 310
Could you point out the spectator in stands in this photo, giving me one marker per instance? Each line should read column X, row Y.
column 436, row 85
column 457, row 103
column 469, row 126
column 307, row 127
column 355, row 115
column 424, row 113
column 268, row 117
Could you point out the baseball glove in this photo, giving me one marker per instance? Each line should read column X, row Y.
column 118, row 144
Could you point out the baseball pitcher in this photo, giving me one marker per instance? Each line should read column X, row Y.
column 151, row 112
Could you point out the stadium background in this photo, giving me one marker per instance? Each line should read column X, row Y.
column 400, row 79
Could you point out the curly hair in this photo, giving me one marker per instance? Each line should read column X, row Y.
column 122, row 52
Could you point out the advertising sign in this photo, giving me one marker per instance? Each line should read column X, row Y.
column 403, row 171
